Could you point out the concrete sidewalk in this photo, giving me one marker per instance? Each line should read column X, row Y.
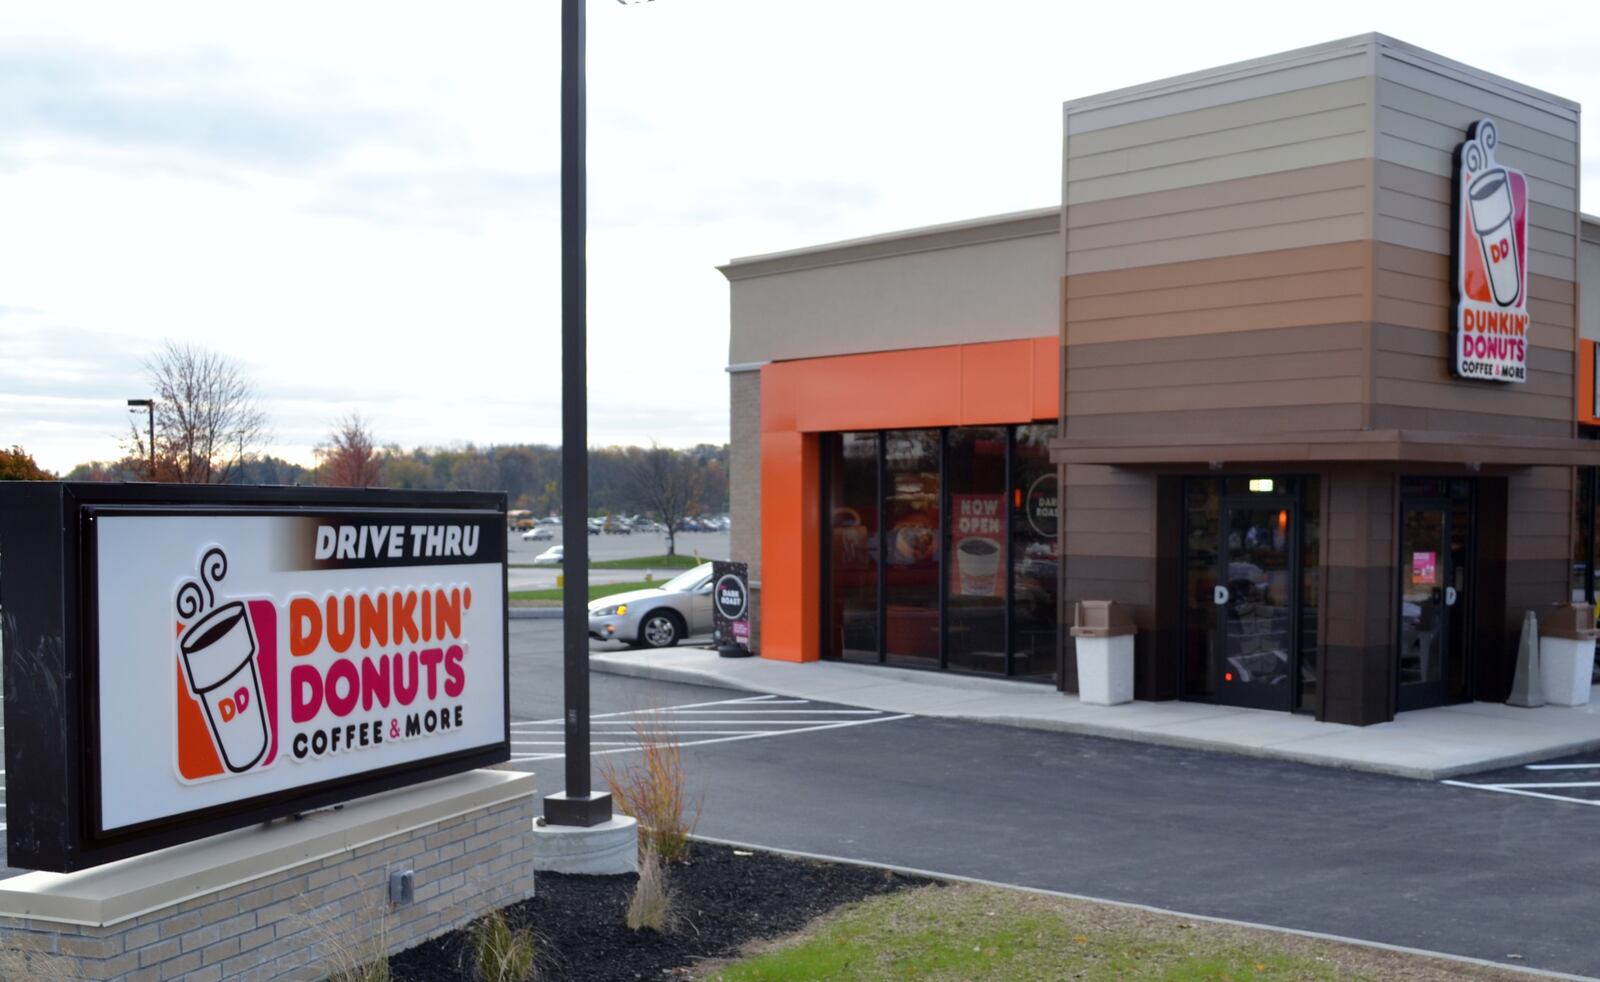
column 1428, row 744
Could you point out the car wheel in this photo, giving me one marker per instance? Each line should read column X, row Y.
column 660, row 629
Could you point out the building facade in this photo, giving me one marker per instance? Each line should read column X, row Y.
column 1297, row 372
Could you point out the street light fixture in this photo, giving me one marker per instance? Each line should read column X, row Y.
column 150, row 406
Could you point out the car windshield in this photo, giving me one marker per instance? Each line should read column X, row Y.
column 688, row 580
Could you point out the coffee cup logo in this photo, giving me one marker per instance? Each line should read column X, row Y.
column 1490, row 324
column 218, row 652
column 978, row 566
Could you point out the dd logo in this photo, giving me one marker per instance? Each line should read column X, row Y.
column 1500, row 250
column 729, row 596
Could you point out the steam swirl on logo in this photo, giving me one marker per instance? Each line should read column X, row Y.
column 1477, row 152
column 196, row 597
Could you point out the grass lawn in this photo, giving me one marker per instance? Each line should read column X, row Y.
column 649, row 562
column 596, row 591
column 969, row 932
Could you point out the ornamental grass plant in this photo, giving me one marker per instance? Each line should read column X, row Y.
column 650, row 787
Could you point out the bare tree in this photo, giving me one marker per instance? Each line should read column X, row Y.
column 668, row 484
column 207, row 417
column 349, row 457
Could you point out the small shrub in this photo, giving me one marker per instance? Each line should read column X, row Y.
column 652, row 903
column 346, row 957
column 501, row 954
column 651, row 789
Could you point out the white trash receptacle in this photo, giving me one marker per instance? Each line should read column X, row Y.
column 1103, row 633
column 1566, row 654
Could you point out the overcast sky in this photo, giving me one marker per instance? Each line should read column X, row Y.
column 359, row 202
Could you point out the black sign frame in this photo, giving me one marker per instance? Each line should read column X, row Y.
column 48, row 624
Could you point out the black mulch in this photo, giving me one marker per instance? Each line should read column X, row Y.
column 724, row 900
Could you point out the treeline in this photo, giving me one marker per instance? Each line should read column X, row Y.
column 530, row 474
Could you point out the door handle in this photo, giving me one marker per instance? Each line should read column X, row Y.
column 1449, row 596
column 1219, row 595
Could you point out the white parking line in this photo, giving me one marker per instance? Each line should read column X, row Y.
column 1522, row 790
column 730, row 739
column 1562, row 767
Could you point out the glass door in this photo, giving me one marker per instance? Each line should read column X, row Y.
column 1242, row 585
column 1435, row 539
column 1256, row 605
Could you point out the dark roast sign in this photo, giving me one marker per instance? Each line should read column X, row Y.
column 1040, row 505
column 244, row 654
column 730, row 606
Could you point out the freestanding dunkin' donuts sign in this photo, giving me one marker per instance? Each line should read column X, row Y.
column 1489, row 330
column 197, row 659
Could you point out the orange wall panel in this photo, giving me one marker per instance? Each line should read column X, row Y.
column 1586, row 380
column 1046, row 378
column 996, row 383
column 957, row 385
column 791, row 489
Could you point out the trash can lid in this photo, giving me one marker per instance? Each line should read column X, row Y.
column 1101, row 619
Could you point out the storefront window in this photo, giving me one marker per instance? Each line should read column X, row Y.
column 912, row 548
column 940, row 549
column 975, row 627
column 1035, row 507
column 853, row 547
column 1202, row 536
column 1310, row 592
column 1583, row 545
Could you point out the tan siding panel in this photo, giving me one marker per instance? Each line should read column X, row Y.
column 1434, row 367
column 1439, row 163
column 1222, row 269
column 1326, row 231
column 1558, row 170
column 1218, row 296
column 1232, row 115
column 1224, row 89
column 1265, row 187
column 1218, row 144
column 1473, row 101
column 1257, row 214
column 1310, row 153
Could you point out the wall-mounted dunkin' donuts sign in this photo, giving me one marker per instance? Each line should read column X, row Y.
column 1489, row 327
column 242, row 654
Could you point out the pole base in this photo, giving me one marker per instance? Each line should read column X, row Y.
column 584, row 812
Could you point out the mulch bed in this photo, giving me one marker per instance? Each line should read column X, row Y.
column 724, row 901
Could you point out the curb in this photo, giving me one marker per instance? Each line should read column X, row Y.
column 663, row 673
column 1041, row 891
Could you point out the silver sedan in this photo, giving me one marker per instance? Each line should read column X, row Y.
column 657, row 617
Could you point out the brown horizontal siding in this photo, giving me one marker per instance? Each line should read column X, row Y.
column 1265, row 393
column 1185, row 423
column 1412, row 289
column 1227, row 369
column 1313, row 338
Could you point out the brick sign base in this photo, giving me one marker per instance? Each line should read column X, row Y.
column 296, row 900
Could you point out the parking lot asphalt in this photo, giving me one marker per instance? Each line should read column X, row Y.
column 1420, row 864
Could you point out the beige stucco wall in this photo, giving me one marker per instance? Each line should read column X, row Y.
column 992, row 279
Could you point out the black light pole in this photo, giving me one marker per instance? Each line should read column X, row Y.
column 577, row 805
column 149, row 404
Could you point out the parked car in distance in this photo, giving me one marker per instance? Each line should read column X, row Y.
column 538, row 533
column 550, row 557
column 656, row 617
column 616, row 526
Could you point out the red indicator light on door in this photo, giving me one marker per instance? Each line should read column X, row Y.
column 1227, row 676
